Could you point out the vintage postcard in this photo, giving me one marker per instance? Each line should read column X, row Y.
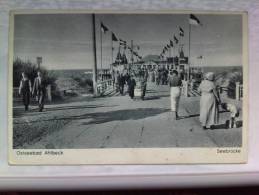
column 127, row 88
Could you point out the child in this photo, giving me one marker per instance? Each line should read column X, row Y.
column 234, row 112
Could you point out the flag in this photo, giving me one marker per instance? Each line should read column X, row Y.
column 171, row 43
column 193, row 20
column 114, row 38
column 175, row 39
column 123, row 42
column 181, row 32
column 104, row 29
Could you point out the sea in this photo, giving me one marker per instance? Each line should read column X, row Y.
column 73, row 73
column 87, row 73
column 222, row 69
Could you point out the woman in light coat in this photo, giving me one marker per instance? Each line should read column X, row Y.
column 175, row 83
column 209, row 102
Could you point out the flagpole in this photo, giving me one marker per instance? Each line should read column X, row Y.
column 119, row 54
column 112, row 54
column 132, row 60
column 112, row 51
column 101, row 48
column 95, row 59
column 188, row 73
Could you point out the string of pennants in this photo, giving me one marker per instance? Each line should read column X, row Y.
column 171, row 43
column 122, row 42
column 193, row 20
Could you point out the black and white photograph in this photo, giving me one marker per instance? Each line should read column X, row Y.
column 128, row 82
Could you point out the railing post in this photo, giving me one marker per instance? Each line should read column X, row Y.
column 237, row 90
column 49, row 93
column 185, row 88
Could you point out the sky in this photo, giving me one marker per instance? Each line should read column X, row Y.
column 64, row 41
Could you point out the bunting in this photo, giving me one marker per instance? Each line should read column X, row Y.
column 175, row 39
column 193, row 20
column 124, row 43
column 171, row 43
column 114, row 38
column 104, row 29
column 181, row 33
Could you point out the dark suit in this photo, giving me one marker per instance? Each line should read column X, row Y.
column 25, row 90
column 39, row 89
column 131, row 84
column 121, row 84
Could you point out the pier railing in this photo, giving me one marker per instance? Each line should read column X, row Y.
column 236, row 93
column 239, row 91
column 104, row 87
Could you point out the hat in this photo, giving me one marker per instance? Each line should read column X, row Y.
column 210, row 76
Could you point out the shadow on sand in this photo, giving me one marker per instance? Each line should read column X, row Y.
column 118, row 115
column 20, row 111
column 225, row 125
column 195, row 115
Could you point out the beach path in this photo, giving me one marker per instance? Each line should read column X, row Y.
column 120, row 122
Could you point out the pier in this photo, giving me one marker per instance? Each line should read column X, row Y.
column 114, row 121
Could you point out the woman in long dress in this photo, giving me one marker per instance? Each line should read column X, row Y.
column 175, row 83
column 209, row 102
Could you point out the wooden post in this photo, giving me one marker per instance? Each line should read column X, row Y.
column 189, row 60
column 132, row 60
column 95, row 60
column 49, row 96
column 237, row 90
column 185, row 88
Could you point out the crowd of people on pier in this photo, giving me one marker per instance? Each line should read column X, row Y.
column 136, row 82
column 210, row 100
column 138, row 79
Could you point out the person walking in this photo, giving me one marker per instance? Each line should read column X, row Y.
column 153, row 76
column 113, row 79
column 209, row 102
column 25, row 90
column 164, row 77
column 39, row 89
column 157, row 76
column 143, row 83
column 127, row 77
column 131, row 86
column 175, row 84
column 121, row 84
column 117, row 80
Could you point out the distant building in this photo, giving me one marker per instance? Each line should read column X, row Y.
column 121, row 62
column 178, row 63
column 152, row 62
